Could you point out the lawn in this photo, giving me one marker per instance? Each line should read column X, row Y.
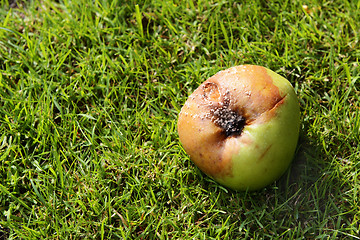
column 90, row 92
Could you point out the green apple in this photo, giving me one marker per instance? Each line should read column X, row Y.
column 241, row 126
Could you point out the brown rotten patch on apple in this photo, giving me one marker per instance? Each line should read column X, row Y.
column 230, row 121
column 212, row 121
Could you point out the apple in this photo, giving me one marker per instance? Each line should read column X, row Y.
column 241, row 126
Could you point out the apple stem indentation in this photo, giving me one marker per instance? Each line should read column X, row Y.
column 231, row 122
column 228, row 120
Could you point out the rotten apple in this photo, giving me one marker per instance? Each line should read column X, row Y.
column 241, row 126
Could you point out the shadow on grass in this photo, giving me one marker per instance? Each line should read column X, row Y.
column 306, row 168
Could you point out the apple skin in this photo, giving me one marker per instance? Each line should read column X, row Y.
column 263, row 109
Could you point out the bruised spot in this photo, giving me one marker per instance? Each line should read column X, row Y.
column 211, row 92
column 214, row 163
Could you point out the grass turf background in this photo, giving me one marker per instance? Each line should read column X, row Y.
column 89, row 97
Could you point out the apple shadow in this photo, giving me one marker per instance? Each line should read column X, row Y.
column 306, row 168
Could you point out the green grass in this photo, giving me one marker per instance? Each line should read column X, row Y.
column 89, row 97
